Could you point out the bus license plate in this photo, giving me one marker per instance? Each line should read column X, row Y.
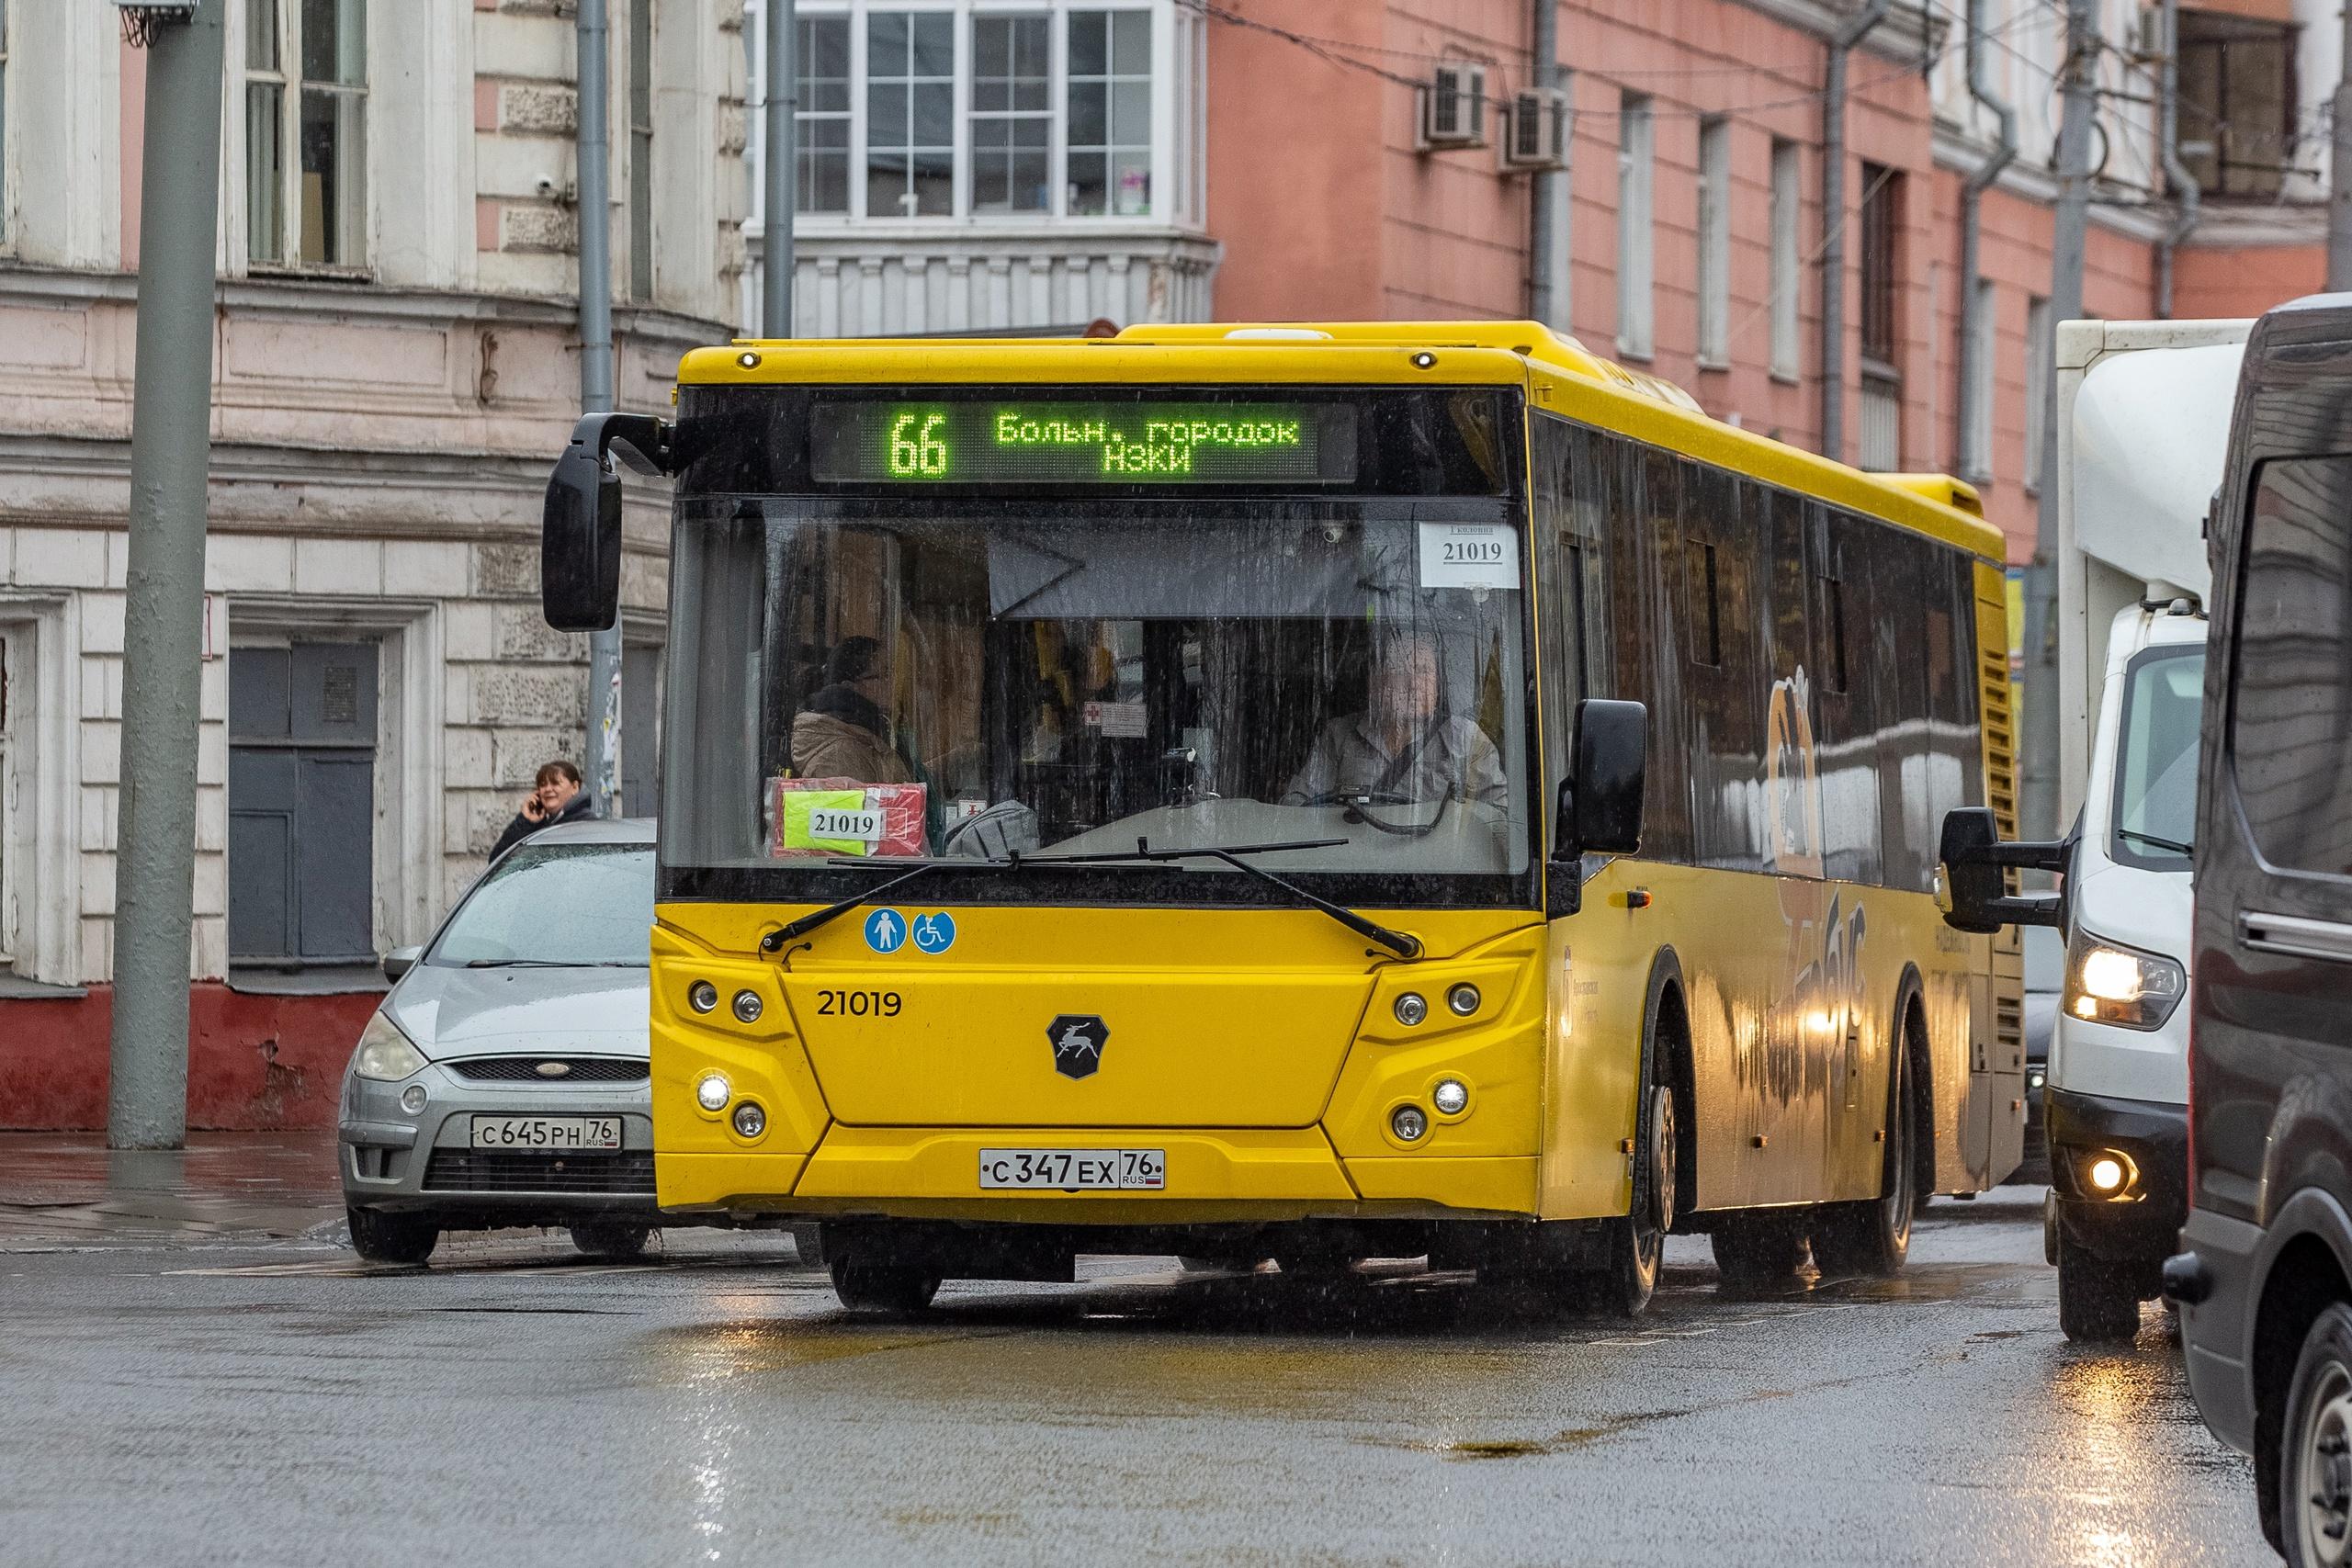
column 1075, row 1170
column 547, row 1132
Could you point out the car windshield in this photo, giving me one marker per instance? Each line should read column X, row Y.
column 891, row 679
column 2155, row 772
column 573, row 905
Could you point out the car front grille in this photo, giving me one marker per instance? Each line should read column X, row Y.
column 496, row 1170
column 526, row 1069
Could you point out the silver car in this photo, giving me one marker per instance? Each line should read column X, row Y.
column 503, row 1081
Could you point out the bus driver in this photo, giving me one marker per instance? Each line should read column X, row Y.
column 1403, row 747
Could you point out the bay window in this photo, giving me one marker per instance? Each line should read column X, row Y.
column 987, row 108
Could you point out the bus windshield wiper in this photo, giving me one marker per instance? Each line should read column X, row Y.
column 775, row 941
column 2150, row 839
column 1397, row 942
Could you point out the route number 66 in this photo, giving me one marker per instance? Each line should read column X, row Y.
column 916, row 450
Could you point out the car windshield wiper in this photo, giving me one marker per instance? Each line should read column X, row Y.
column 2161, row 843
column 1397, row 942
column 775, row 941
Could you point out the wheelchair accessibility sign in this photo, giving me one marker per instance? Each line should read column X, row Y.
column 888, row 930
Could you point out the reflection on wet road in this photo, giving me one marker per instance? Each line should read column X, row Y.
column 282, row 1403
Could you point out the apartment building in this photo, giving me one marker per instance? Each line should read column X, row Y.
column 395, row 363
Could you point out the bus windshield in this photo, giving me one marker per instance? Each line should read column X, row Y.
column 942, row 677
column 2156, row 767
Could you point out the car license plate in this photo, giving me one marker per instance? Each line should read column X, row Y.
column 1075, row 1170
column 551, row 1132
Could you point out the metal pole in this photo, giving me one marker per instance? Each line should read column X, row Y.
column 2038, row 802
column 1975, row 462
column 596, row 373
column 2185, row 189
column 780, row 171
column 162, row 630
column 1544, row 202
column 2339, row 175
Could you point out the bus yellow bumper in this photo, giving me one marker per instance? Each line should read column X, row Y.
column 1214, row 1177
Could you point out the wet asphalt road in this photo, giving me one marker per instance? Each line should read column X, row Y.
column 173, row 1398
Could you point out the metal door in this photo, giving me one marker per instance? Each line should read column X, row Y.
column 302, row 804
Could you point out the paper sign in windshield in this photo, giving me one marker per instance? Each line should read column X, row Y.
column 1469, row 554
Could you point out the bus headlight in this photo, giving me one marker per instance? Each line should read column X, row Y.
column 2107, row 983
column 1451, row 1097
column 711, row 1093
column 385, row 1053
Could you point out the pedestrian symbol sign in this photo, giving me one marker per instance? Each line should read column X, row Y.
column 885, row 931
column 935, row 933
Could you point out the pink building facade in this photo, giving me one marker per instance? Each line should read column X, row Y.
column 1690, row 241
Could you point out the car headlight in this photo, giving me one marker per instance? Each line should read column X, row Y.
column 385, row 1053
column 2107, row 983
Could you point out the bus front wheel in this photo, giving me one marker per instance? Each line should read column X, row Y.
column 882, row 1287
column 1635, row 1246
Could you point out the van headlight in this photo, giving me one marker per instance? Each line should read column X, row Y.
column 2107, row 983
column 385, row 1053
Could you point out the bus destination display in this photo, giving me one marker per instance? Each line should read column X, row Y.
column 1064, row 441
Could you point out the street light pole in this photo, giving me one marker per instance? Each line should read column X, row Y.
column 596, row 371
column 2037, row 804
column 162, row 626
column 779, row 171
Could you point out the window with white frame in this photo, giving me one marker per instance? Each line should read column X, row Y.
column 1110, row 112
column 1635, row 304
column 1785, row 259
column 993, row 108
column 820, row 60
column 1714, row 241
column 306, row 142
column 1012, row 114
column 910, row 113
column 2040, row 351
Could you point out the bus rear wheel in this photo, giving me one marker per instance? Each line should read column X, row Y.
column 1874, row 1237
column 1762, row 1248
column 882, row 1287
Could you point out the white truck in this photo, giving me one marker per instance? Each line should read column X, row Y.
column 2144, row 420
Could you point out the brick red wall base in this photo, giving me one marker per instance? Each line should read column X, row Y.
column 255, row 1064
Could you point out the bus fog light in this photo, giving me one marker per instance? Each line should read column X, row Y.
column 747, row 1007
column 412, row 1098
column 1462, row 999
column 1409, row 1123
column 750, row 1119
column 2107, row 1174
column 712, row 1093
column 703, row 996
column 1451, row 1097
column 1411, row 1008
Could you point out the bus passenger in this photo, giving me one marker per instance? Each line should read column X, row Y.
column 842, row 733
column 1404, row 747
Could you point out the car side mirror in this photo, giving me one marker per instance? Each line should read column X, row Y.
column 1975, row 893
column 579, row 528
column 1600, row 809
column 399, row 961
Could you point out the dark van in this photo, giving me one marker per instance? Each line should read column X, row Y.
column 2264, row 1287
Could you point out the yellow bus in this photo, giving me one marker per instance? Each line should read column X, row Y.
column 1303, row 793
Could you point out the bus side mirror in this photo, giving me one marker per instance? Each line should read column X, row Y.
column 1975, row 893
column 580, row 528
column 1600, row 803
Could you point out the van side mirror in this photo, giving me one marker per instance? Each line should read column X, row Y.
column 580, row 528
column 1600, row 803
column 1976, row 893
column 399, row 961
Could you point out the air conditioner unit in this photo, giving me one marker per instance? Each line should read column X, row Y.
column 1535, row 131
column 1453, row 107
column 2149, row 44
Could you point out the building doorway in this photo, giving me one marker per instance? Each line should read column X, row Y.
column 303, row 745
